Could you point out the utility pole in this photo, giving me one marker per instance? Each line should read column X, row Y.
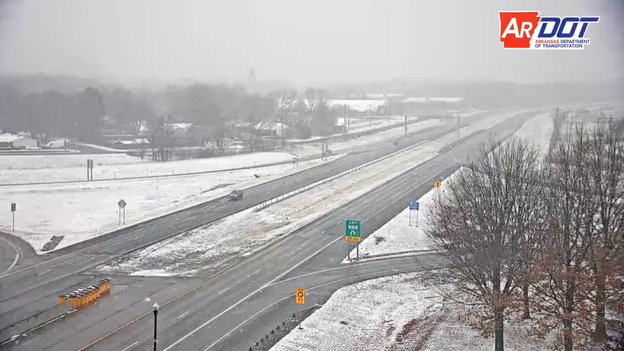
column 458, row 124
column 155, row 325
column 345, row 121
column 405, row 124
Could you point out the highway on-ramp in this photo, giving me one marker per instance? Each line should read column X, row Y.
column 213, row 311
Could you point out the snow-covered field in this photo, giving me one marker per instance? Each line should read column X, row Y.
column 385, row 307
column 19, row 163
column 83, row 210
column 35, row 168
column 246, row 232
column 358, row 105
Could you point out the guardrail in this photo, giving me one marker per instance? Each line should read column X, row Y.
column 327, row 180
column 276, row 334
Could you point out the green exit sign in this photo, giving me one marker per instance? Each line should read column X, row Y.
column 353, row 230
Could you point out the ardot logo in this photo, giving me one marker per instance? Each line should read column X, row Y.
column 527, row 30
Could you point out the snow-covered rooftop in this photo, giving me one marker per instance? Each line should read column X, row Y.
column 446, row 99
column 432, row 99
column 179, row 125
column 9, row 138
column 414, row 99
column 357, row 105
column 270, row 126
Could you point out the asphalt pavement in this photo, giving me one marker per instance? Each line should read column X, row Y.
column 216, row 308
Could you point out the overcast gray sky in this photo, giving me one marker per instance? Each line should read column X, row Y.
column 301, row 42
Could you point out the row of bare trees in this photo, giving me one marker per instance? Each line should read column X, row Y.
column 539, row 240
column 51, row 113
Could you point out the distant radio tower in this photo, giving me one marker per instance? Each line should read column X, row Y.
column 251, row 79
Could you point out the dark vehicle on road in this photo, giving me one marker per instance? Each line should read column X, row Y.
column 236, row 195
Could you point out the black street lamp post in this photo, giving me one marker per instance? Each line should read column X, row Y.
column 155, row 325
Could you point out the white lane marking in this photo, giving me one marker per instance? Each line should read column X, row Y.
column 222, row 291
column 183, row 314
column 17, row 255
column 129, row 347
column 254, row 273
column 362, row 264
column 281, row 275
column 49, row 270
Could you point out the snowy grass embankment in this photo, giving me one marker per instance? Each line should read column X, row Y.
column 60, row 168
column 213, row 245
column 332, row 178
column 539, row 130
column 378, row 310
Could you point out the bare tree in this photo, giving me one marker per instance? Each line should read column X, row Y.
column 282, row 103
column 314, row 98
column 576, row 277
column 561, row 275
column 160, row 139
column 606, row 164
column 479, row 224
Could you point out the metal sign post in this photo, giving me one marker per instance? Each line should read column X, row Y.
column 13, row 209
column 122, row 206
column 417, row 210
column 413, row 205
column 353, row 232
column 405, row 124
column 89, row 169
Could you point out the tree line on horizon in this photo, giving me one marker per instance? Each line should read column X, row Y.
column 214, row 110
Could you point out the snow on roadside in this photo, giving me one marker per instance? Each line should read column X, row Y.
column 397, row 236
column 100, row 147
column 245, row 232
column 385, row 307
column 539, row 130
column 80, row 211
column 33, row 169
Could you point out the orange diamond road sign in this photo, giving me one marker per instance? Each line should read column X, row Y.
column 437, row 184
column 300, row 296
